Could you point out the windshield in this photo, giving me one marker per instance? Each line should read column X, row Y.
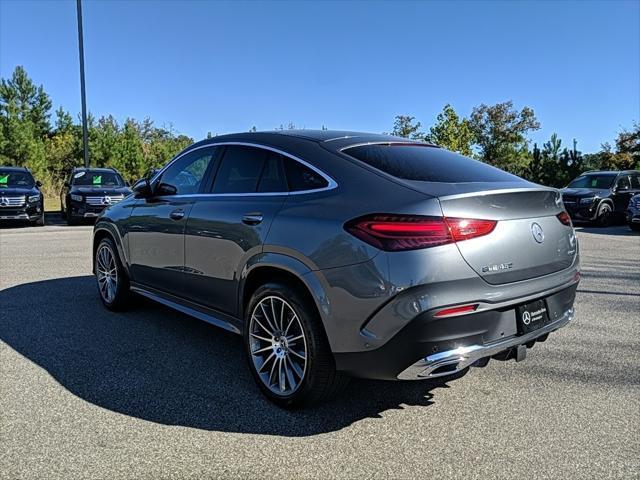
column 593, row 181
column 92, row 178
column 14, row 178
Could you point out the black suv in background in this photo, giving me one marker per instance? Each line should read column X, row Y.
column 20, row 196
column 88, row 191
column 600, row 196
column 633, row 213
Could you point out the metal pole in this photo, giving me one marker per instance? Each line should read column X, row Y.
column 85, row 134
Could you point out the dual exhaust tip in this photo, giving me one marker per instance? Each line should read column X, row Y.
column 450, row 367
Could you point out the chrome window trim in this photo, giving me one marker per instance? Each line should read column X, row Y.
column 331, row 182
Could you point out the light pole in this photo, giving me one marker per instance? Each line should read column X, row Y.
column 85, row 134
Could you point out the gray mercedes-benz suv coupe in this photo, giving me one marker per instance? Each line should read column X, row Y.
column 340, row 254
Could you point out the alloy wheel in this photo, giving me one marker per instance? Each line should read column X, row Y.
column 107, row 273
column 278, row 345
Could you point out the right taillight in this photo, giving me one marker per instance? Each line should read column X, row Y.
column 411, row 232
column 564, row 218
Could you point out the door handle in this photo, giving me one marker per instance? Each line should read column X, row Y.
column 177, row 215
column 252, row 218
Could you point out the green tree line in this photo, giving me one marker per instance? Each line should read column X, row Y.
column 495, row 134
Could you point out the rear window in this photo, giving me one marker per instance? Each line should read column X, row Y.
column 427, row 164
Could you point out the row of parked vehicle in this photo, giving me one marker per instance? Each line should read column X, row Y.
column 599, row 197
column 85, row 194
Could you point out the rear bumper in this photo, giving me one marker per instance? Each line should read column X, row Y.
column 428, row 343
column 452, row 361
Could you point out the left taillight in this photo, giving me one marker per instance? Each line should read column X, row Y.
column 564, row 218
column 411, row 232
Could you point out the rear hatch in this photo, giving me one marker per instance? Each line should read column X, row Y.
column 528, row 241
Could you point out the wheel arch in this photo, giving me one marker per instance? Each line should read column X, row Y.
column 273, row 267
column 107, row 230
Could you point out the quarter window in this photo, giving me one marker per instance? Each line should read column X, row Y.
column 301, row 177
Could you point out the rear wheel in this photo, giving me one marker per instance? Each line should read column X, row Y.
column 113, row 282
column 288, row 353
column 603, row 218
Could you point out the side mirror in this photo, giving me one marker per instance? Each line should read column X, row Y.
column 165, row 189
column 38, row 183
column 142, row 189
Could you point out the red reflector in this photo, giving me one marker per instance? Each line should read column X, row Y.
column 564, row 218
column 456, row 310
column 410, row 232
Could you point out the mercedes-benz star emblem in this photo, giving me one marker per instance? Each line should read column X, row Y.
column 106, row 200
column 538, row 233
column 526, row 318
column 4, row 201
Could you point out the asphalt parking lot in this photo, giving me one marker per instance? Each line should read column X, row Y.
column 154, row 394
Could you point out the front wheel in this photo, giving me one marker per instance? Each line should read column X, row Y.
column 603, row 218
column 288, row 353
column 113, row 282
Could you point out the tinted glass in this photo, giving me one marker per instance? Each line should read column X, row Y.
column 240, row 170
column 623, row 182
column 593, row 181
column 300, row 177
column 187, row 172
column 429, row 164
column 96, row 178
column 273, row 178
column 12, row 179
column 635, row 181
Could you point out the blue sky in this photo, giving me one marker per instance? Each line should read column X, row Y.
column 224, row 67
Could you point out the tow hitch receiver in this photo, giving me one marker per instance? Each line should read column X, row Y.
column 521, row 353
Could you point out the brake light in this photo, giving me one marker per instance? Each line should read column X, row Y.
column 564, row 218
column 447, row 312
column 410, row 232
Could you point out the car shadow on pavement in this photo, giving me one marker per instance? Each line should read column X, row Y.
column 159, row 365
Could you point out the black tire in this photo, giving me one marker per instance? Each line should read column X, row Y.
column 71, row 220
column 605, row 212
column 634, row 226
column 121, row 292
column 321, row 380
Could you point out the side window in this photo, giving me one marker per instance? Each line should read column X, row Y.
column 301, row 177
column 240, row 169
column 623, row 182
column 635, row 181
column 187, row 172
column 273, row 177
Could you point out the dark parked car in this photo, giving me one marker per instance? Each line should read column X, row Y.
column 633, row 213
column 88, row 191
column 600, row 197
column 338, row 254
column 20, row 196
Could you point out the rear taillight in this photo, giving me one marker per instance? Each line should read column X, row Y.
column 564, row 218
column 410, row 232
